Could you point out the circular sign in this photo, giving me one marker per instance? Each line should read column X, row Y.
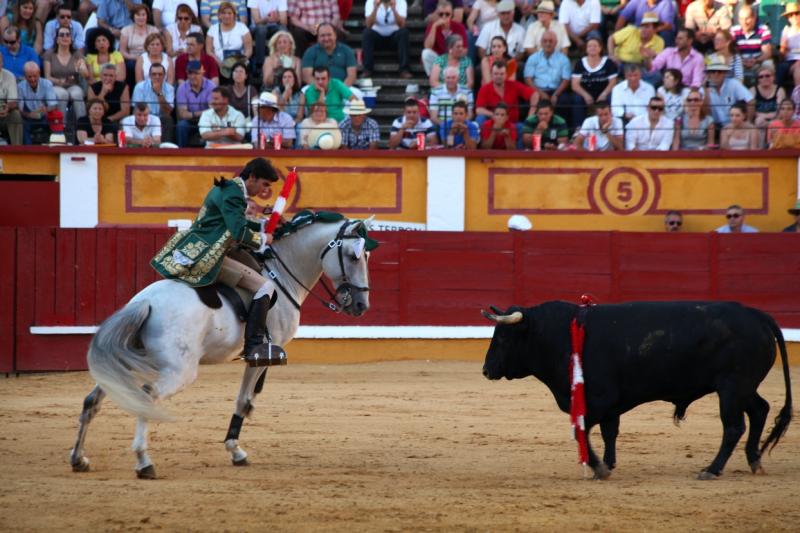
column 624, row 190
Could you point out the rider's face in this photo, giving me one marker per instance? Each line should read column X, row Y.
column 256, row 186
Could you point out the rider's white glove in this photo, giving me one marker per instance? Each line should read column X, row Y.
column 264, row 242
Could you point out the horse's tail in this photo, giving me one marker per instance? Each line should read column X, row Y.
column 781, row 423
column 119, row 364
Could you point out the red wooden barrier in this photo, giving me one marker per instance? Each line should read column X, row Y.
column 79, row 277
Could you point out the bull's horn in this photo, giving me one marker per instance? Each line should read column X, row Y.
column 513, row 318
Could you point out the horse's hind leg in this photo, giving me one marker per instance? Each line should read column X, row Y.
column 252, row 384
column 144, row 466
column 757, row 411
column 91, row 406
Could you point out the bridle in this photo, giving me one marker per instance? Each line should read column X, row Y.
column 344, row 292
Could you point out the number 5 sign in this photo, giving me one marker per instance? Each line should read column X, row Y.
column 623, row 191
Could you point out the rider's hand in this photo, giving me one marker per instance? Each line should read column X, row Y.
column 266, row 240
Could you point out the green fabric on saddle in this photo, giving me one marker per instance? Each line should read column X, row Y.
column 305, row 217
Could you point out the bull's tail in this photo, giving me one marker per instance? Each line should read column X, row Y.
column 781, row 423
column 118, row 362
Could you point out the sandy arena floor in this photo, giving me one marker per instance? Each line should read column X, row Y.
column 398, row 446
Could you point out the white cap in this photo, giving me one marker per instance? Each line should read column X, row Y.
column 519, row 223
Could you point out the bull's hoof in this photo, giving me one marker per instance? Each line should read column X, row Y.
column 756, row 468
column 148, row 472
column 602, row 471
column 240, row 462
column 81, row 466
column 705, row 475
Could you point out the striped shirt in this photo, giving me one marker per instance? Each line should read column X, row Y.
column 750, row 44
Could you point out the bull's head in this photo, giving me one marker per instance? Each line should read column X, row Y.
column 506, row 354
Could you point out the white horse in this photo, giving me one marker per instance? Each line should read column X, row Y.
column 150, row 349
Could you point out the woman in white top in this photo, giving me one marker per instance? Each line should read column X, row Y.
column 790, row 45
column 674, row 92
column 228, row 38
column 483, row 11
column 175, row 34
column 133, row 36
column 155, row 46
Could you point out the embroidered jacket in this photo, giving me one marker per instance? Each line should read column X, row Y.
column 195, row 255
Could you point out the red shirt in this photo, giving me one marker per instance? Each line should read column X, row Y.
column 499, row 141
column 455, row 27
column 209, row 66
column 513, row 92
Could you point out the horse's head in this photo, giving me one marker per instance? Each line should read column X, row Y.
column 344, row 262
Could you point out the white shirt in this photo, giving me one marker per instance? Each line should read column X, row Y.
column 625, row 101
column 210, row 121
column 745, row 229
column 533, row 35
column 385, row 23
column 169, row 7
column 639, row 135
column 228, row 40
column 515, row 37
column 578, row 17
column 265, row 7
column 133, row 133
column 592, row 126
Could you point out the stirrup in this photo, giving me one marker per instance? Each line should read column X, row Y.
column 266, row 354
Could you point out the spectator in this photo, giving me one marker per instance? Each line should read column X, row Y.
column 315, row 125
column 548, row 72
column 790, row 45
column 36, row 97
column 695, row 129
column 651, row 130
column 267, row 18
column 499, row 133
column 85, row 10
column 359, row 132
column 100, row 51
column 498, row 49
column 160, row 96
column 505, row 27
column 739, row 134
column 155, row 52
column 67, row 71
column 673, row 221
column 429, row 10
column 631, row 97
column 242, row 91
column 638, row 46
column 683, row 57
column 307, row 17
column 581, row 18
column 784, row 131
column 405, row 129
column 94, row 128
column 133, row 40
column 456, row 56
column 386, row 27
column 114, row 15
column 552, row 129
column 545, row 12
column 483, row 12
column 192, row 99
column 10, row 117
column 795, row 212
column 165, row 12
column 705, row 17
column 290, row 97
column 445, row 95
column 229, row 41
column 63, row 20
column 271, row 121
column 15, row 54
column 333, row 92
column 593, row 79
column 177, row 33
column 209, row 12
column 437, row 32
column 527, row 13
column 766, row 94
column 115, row 94
column 735, row 216
column 281, row 57
column 221, row 123
column 607, row 129
column 635, row 11
column 196, row 52
column 674, row 93
column 725, row 53
column 30, row 28
column 459, row 131
column 754, row 44
column 721, row 92
column 328, row 52
column 511, row 92
column 142, row 130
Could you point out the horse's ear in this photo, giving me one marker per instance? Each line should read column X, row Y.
column 368, row 222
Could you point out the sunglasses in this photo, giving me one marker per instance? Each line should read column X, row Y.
column 656, row 108
column 761, row 76
column 675, row 223
column 65, row 16
column 184, row 18
column 694, row 100
column 733, row 215
column 64, row 35
column 445, row 15
column 9, row 42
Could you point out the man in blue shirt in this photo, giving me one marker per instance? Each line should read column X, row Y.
column 115, row 14
column 722, row 92
column 339, row 58
column 16, row 54
column 192, row 99
column 458, row 132
column 36, row 98
column 548, row 72
column 63, row 20
column 160, row 97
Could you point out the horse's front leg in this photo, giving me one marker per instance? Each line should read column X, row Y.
column 91, row 406
column 252, row 384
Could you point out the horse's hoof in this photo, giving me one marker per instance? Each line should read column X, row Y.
column 148, row 472
column 602, row 472
column 240, row 462
column 705, row 475
column 81, row 466
column 756, row 468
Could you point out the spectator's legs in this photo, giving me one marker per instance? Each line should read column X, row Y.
column 578, row 111
column 43, row 9
column 345, row 6
column 14, row 126
column 302, row 39
column 130, row 74
column 783, row 74
column 368, row 41
column 62, row 99
column 401, row 39
column 472, row 49
column 184, row 132
column 167, row 128
column 480, row 119
column 562, row 107
column 653, row 78
column 78, row 101
column 428, row 58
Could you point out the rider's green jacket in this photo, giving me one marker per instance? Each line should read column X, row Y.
column 195, row 255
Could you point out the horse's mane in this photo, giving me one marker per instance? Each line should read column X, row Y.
column 305, row 218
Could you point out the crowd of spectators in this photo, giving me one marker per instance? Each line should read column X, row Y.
column 503, row 74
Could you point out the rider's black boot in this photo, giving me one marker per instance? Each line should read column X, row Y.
column 257, row 352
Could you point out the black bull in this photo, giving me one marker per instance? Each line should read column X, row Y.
column 646, row 351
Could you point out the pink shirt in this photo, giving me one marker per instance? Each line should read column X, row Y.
column 692, row 68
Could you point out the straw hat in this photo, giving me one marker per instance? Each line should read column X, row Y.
column 357, row 107
column 650, row 17
column 796, row 209
column 519, row 223
column 267, row 99
column 789, row 9
column 546, row 6
column 718, row 67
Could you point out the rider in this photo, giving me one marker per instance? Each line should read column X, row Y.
column 198, row 257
